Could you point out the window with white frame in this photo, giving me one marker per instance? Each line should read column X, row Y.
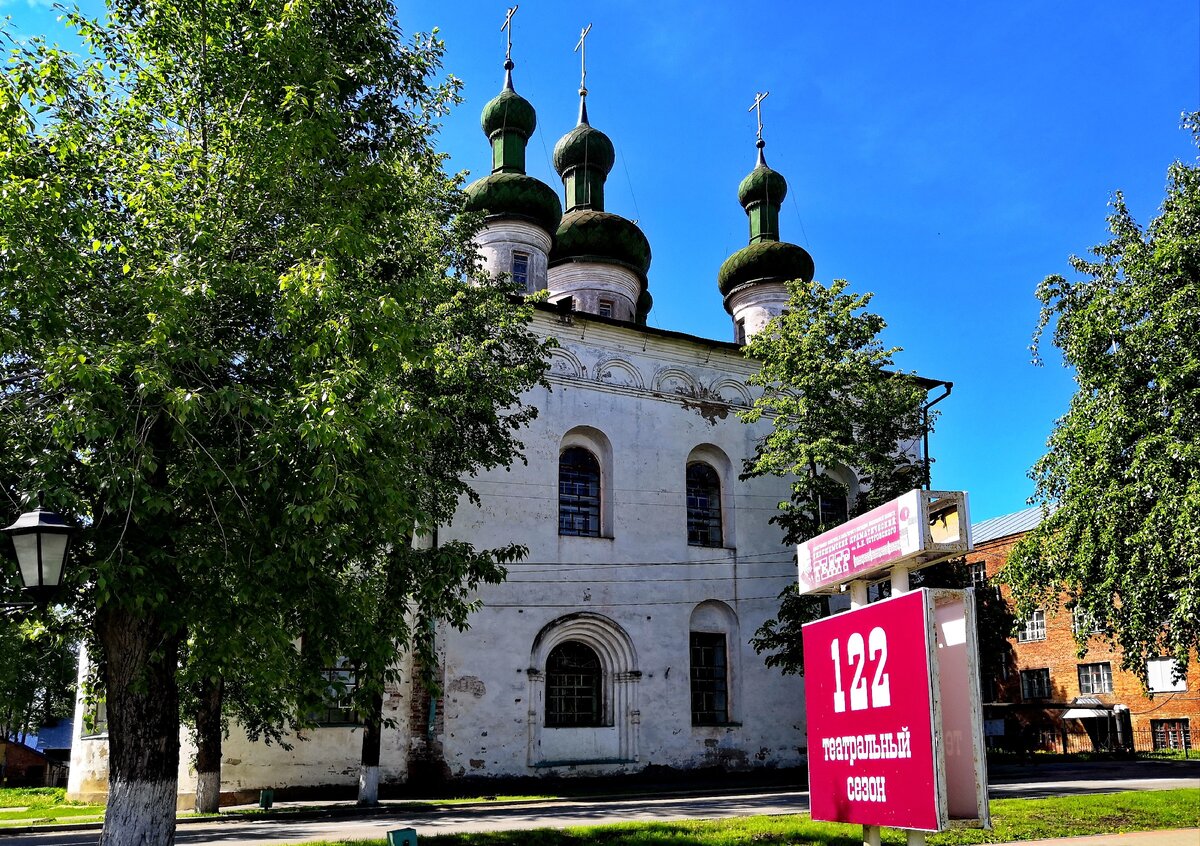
column 978, row 571
column 605, row 308
column 1084, row 623
column 1032, row 628
column 1035, row 684
column 1095, row 678
column 1162, row 676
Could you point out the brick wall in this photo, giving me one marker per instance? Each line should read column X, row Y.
column 1058, row 653
column 21, row 766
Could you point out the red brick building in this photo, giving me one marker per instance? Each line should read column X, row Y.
column 21, row 766
column 1042, row 695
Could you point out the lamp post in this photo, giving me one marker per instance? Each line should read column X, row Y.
column 41, row 539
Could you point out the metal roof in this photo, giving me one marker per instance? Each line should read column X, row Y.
column 1005, row 525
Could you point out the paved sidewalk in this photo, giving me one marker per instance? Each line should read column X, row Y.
column 1169, row 837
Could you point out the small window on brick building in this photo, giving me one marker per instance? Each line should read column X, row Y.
column 520, row 269
column 1083, row 623
column 1172, row 733
column 978, row 572
column 1095, row 678
column 739, row 332
column 1161, row 676
column 1033, row 628
column 605, row 308
column 1035, row 684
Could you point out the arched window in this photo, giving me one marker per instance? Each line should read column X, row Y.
column 573, row 677
column 714, row 663
column 703, row 505
column 832, row 510
column 578, row 493
column 710, row 679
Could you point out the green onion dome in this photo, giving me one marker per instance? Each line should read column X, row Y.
column 508, row 110
column 515, row 195
column 765, row 261
column 603, row 236
column 584, row 145
column 762, row 185
column 644, row 304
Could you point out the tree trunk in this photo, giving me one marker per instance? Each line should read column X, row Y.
column 140, row 688
column 368, row 774
column 208, row 746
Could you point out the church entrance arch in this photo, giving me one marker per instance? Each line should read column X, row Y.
column 563, row 680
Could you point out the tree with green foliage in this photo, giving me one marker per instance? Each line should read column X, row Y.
column 240, row 345
column 1120, row 481
column 839, row 411
column 37, row 673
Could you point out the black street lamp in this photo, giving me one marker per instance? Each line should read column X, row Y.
column 41, row 538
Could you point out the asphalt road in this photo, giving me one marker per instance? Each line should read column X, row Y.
column 1030, row 782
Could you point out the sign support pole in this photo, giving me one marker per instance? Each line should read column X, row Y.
column 899, row 578
column 871, row 834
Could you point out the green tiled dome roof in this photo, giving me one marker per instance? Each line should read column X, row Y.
column 515, row 194
column 601, row 235
column 766, row 260
column 508, row 110
column 762, row 185
column 583, row 143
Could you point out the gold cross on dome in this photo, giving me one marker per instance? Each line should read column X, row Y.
column 581, row 49
column 757, row 106
column 507, row 27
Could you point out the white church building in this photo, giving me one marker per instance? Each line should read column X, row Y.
column 622, row 640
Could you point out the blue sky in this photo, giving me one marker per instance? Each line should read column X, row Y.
column 944, row 155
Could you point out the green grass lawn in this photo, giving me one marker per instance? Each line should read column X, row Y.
column 47, row 805
column 1013, row 819
column 42, row 805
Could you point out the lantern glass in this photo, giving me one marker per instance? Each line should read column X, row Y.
column 41, row 539
column 40, row 556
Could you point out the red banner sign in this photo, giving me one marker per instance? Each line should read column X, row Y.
column 869, row 704
column 866, row 543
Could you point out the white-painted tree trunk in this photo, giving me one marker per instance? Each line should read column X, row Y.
column 208, row 792
column 135, row 816
column 368, row 785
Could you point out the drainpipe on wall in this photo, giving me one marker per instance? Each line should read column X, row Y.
column 949, row 386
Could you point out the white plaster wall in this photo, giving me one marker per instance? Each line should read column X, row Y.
column 589, row 282
column 656, row 399
column 499, row 238
column 756, row 304
column 318, row 757
column 87, row 780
